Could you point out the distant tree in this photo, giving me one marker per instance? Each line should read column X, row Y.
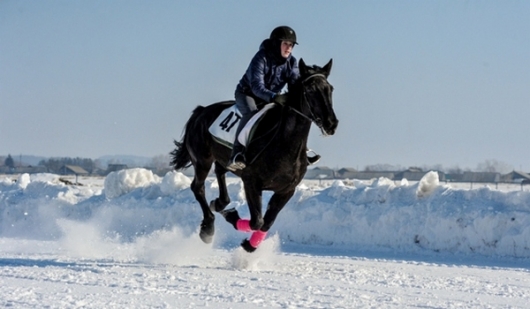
column 114, row 161
column 160, row 162
column 98, row 164
column 435, row 167
column 454, row 170
column 494, row 166
column 9, row 162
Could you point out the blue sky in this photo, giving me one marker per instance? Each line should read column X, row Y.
column 416, row 82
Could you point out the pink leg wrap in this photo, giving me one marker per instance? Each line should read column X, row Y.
column 256, row 238
column 243, row 225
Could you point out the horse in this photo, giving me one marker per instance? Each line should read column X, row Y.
column 276, row 157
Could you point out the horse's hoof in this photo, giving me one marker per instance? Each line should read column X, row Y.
column 206, row 237
column 228, row 212
column 247, row 246
column 206, row 233
column 231, row 216
column 217, row 206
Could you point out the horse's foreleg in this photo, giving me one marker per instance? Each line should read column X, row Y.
column 220, row 203
column 276, row 204
column 197, row 186
column 253, row 195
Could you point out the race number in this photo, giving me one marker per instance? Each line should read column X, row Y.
column 230, row 121
column 221, row 128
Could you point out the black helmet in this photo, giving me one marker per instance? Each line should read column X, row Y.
column 284, row 33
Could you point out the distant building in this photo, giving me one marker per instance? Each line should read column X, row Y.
column 481, row 177
column 416, row 175
column 324, row 172
column 320, row 172
column 73, row 170
column 368, row 175
column 453, row 177
column 345, row 172
column 516, row 177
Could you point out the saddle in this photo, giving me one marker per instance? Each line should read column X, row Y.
column 223, row 129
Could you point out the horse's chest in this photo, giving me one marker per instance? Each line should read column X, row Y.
column 288, row 177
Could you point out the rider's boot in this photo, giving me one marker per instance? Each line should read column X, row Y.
column 237, row 160
column 312, row 159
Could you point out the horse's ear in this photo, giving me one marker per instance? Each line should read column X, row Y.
column 327, row 67
column 302, row 67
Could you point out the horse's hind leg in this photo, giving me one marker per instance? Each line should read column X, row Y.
column 220, row 203
column 197, row 186
column 253, row 195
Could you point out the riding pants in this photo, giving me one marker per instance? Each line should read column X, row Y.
column 247, row 107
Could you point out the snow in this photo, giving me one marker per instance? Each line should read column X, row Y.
column 130, row 240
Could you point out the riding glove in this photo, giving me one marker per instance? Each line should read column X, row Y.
column 280, row 99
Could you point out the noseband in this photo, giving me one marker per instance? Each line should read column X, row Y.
column 304, row 100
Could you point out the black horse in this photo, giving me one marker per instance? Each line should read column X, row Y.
column 276, row 157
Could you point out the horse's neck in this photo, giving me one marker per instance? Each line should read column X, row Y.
column 297, row 125
column 295, row 130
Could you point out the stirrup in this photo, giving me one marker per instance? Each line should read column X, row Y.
column 312, row 159
column 237, row 162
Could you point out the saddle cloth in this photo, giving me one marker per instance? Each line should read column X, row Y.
column 224, row 128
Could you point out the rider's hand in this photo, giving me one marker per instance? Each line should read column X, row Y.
column 280, row 99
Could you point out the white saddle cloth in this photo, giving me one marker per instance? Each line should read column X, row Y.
column 225, row 126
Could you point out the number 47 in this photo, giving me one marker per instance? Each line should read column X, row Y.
column 228, row 123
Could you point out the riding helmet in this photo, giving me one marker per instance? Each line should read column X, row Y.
column 284, row 33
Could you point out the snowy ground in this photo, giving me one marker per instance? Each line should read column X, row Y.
column 130, row 241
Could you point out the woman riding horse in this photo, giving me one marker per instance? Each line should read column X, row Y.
column 270, row 70
column 277, row 152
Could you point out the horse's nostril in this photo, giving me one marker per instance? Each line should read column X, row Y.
column 331, row 126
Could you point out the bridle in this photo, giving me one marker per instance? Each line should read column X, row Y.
column 304, row 101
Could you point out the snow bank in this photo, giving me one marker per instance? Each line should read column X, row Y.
column 124, row 181
column 135, row 204
column 406, row 218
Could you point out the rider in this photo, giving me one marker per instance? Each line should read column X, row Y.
column 270, row 70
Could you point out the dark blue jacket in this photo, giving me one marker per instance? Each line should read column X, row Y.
column 268, row 73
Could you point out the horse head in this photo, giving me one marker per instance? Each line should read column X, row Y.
column 317, row 103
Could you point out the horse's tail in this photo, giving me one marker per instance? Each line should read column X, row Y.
column 180, row 155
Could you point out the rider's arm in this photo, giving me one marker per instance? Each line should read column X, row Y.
column 294, row 74
column 256, row 76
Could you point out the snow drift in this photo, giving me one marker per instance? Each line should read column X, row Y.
column 134, row 204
